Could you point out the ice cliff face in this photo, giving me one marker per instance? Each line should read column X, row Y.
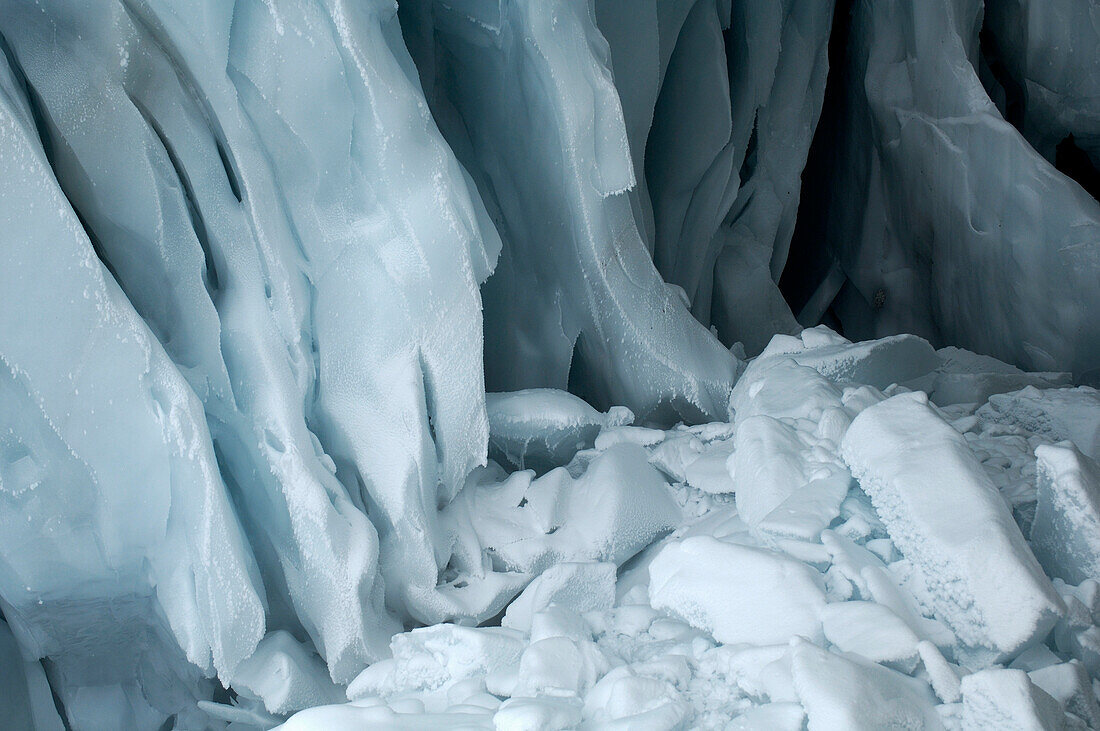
column 261, row 260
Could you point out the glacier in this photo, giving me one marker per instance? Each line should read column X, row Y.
column 549, row 364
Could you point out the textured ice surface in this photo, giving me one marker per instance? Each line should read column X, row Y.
column 947, row 518
column 259, row 261
column 941, row 220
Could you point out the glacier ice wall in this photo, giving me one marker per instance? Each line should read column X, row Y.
column 262, row 261
column 940, row 218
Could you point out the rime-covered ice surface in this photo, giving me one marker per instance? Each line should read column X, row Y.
column 868, row 560
column 375, row 364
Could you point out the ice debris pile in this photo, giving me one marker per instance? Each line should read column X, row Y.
column 849, row 552
column 399, row 352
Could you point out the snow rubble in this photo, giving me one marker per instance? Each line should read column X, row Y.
column 870, row 564
column 377, row 364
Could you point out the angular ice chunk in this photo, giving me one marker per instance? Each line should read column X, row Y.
column 965, row 377
column 286, row 676
column 945, row 515
column 842, row 693
column 1003, row 698
column 737, row 593
column 581, row 587
column 610, row 512
column 1055, row 414
column 784, row 483
column 871, row 630
column 1065, row 534
column 429, row 657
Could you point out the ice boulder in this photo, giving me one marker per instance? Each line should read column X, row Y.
column 1004, row 698
column 878, row 363
column 1065, row 534
column 737, row 593
column 785, row 483
column 843, row 693
column 1055, row 414
column 580, row 587
column 945, row 516
column 614, row 509
column 542, row 428
column 966, row 377
column 430, row 657
column 286, row 676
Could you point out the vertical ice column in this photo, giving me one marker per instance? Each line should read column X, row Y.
column 396, row 246
column 524, row 94
column 122, row 558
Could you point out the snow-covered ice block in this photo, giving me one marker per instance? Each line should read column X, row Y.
column 737, row 593
column 559, row 666
column 945, row 515
column 613, row 510
column 1000, row 698
column 871, row 630
column 624, row 699
column 353, row 717
column 286, row 676
column 1065, row 534
column 971, row 378
column 878, row 363
column 781, row 388
column 1055, row 414
column 542, row 428
column 784, row 483
column 580, row 587
column 843, row 693
column 429, row 657
column 1070, row 685
column 544, row 714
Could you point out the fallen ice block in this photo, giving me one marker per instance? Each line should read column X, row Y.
column 1003, row 698
column 841, row 693
column 429, row 657
column 286, row 675
column 1055, row 414
column 965, row 377
column 945, row 515
column 877, row 363
column 542, row 428
column 617, row 507
column 737, row 593
column 581, row 587
column 1066, row 532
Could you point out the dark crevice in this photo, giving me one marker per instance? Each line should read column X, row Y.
column 58, row 704
column 748, row 165
column 230, row 173
column 1075, row 163
column 1014, row 96
column 810, row 259
column 198, row 224
column 41, row 124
